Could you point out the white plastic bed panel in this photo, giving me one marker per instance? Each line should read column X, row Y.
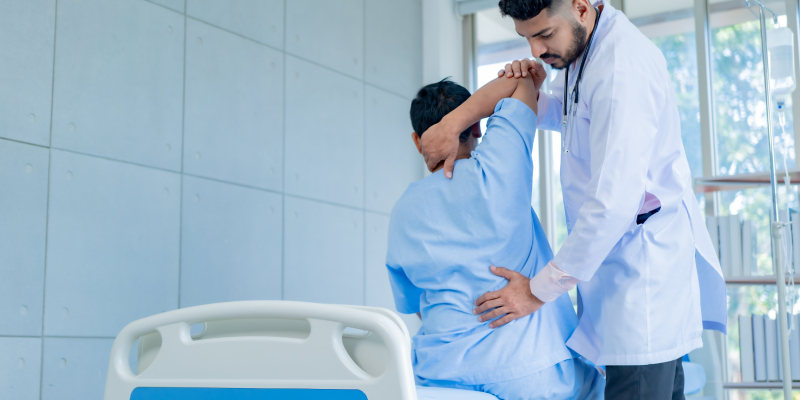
column 397, row 67
column 330, row 33
column 119, row 81
column 234, row 108
column 27, row 29
column 177, row 5
column 231, row 241
column 20, row 365
column 74, row 368
column 124, row 263
column 323, row 252
column 23, row 212
column 324, row 133
column 267, row 344
column 259, row 20
column 392, row 160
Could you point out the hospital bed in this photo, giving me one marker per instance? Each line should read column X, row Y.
column 276, row 350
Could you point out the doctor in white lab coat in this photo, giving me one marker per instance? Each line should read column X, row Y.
column 648, row 278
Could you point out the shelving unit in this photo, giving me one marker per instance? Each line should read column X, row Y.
column 758, row 385
column 740, row 181
column 757, row 280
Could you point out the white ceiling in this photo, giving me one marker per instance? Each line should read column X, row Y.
column 492, row 28
column 641, row 8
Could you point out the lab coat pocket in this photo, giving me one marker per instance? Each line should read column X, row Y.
column 579, row 142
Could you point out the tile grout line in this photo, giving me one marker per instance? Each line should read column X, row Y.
column 57, row 337
column 220, row 181
column 47, row 211
column 364, row 151
column 26, row 143
column 183, row 143
column 239, row 34
column 283, row 166
column 165, row 7
column 392, row 92
column 299, row 57
column 114, row 160
column 242, row 185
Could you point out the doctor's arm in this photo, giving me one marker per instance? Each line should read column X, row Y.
column 440, row 142
column 624, row 116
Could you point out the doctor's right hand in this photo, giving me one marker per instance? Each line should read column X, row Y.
column 440, row 144
column 512, row 302
column 521, row 68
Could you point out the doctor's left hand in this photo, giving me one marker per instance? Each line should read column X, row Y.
column 512, row 302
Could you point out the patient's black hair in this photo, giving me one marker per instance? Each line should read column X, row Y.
column 524, row 10
column 433, row 102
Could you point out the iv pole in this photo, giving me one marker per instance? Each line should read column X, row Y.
column 776, row 226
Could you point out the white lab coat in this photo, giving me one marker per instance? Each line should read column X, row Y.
column 642, row 287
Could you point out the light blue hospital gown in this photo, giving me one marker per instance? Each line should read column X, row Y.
column 443, row 236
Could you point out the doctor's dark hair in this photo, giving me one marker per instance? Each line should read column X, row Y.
column 524, row 10
column 433, row 102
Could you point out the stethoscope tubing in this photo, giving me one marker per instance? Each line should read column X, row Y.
column 569, row 117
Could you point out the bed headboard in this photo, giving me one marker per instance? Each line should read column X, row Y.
column 266, row 344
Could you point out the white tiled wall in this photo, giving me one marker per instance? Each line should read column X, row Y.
column 157, row 154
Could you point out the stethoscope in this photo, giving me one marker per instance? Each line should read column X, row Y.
column 568, row 123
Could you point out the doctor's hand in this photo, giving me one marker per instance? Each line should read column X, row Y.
column 440, row 143
column 512, row 302
column 523, row 68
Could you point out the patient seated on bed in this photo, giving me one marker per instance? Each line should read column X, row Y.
column 445, row 233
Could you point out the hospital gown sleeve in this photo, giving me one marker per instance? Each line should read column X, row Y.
column 625, row 107
column 406, row 295
column 505, row 152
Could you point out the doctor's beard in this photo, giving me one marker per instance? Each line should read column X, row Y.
column 579, row 42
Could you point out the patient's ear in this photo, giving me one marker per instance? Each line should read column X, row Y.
column 416, row 139
column 476, row 130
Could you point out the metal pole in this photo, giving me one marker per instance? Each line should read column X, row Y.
column 777, row 255
column 708, row 136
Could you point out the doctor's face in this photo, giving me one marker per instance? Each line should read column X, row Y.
column 558, row 37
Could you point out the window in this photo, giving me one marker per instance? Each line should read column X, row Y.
column 497, row 44
column 740, row 119
column 670, row 25
column 743, row 147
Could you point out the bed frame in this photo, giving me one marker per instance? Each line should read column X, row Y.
column 264, row 350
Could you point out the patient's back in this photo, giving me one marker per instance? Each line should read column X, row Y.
column 443, row 236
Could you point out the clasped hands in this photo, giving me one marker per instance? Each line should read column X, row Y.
column 440, row 142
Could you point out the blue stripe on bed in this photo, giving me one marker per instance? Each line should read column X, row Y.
column 179, row 393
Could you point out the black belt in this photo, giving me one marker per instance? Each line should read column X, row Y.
column 643, row 217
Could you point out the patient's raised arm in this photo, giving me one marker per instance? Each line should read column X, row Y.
column 441, row 140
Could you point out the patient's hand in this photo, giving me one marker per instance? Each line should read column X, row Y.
column 512, row 302
column 440, row 143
